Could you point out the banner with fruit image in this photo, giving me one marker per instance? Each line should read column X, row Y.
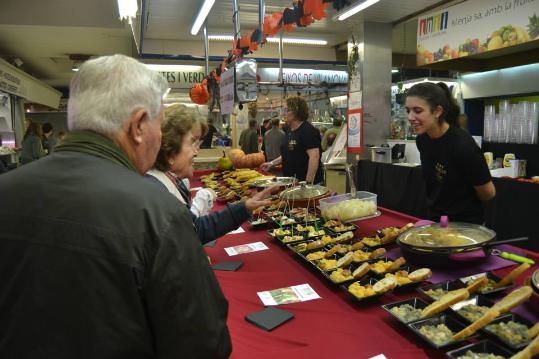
column 476, row 26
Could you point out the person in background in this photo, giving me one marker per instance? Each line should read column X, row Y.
column 300, row 154
column 50, row 141
column 456, row 174
column 332, row 133
column 114, row 267
column 175, row 161
column 32, row 146
column 266, row 125
column 273, row 140
column 249, row 138
column 208, row 137
column 61, row 136
column 322, row 131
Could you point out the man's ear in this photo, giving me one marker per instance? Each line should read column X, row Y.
column 134, row 125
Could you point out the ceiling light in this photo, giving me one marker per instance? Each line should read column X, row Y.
column 221, row 37
column 298, row 41
column 394, row 71
column 286, row 40
column 354, row 9
column 201, row 17
column 174, row 68
column 75, row 66
column 127, row 9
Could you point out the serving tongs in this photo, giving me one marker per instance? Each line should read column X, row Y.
column 353, row 189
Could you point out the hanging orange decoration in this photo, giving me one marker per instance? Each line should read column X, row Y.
column 272, row 24
column 316, row 8
column 199, row 94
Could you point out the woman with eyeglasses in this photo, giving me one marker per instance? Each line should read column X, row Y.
column 175, row 162
column 301, row 151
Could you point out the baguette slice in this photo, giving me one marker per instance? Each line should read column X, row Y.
column 447, row 300
column 384, row 285
column 332, row 251
column 488, row 317
column 509, row 278
column 513, row 299
column 533, row 331
column 345, row 236
column 346, row 260
column 361, row 270
column 420, row 274
column 529, row 352
column 405, row 227
column 377, row 253
column 476, row 284
column 397, row 263
column 315, row 244
column 358, row 245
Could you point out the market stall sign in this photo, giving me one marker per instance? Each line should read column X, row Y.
column 227, row 90
column 17, row 82
column 303, row 75
column 184, row 79
column 355, row 131
column 474, row 27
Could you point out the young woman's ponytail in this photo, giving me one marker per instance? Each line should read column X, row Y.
column 453, row 110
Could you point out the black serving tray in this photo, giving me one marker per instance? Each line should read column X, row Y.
column 484, row 346
column 370, row 281
column 417, row 303
column 477, row 300
column 385, row 259
column 506, row 318
column 495, row 278
column 446, row 286
column 449, row 320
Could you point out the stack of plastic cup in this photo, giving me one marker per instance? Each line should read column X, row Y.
column 490, row 117
column 531, row 123
column 503, row 122
column 517, row 121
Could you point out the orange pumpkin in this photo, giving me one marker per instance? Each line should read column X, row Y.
column 236, row 152
column 252, row 160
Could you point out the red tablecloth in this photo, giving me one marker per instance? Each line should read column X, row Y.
column 332, row 327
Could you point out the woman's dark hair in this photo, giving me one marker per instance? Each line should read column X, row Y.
column 178, row 122
column 34, row 128
column 437, row 95
column 299, row 108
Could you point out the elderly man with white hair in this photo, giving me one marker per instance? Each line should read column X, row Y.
column 96, row 261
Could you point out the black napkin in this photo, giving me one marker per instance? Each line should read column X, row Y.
column 230, row 266
column 269, row 318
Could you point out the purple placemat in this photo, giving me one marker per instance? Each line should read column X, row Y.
column 466, row 269
column 489, row 264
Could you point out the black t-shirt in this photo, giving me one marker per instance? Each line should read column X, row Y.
column 452, row 165
column 294, row 152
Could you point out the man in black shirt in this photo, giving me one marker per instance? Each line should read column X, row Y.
column 300, row 154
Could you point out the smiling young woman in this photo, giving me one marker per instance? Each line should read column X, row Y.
column 456, row 174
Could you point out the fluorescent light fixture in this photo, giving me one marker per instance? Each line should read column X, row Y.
column 221, row 37
column 174, row 68
column 201, row 17
column 394, row 71
column 127, row 9
column 297, row 41
column 354, row 9
column 286, row 40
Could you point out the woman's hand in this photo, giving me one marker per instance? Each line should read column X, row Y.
column 266, row 166
column 260, row 199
